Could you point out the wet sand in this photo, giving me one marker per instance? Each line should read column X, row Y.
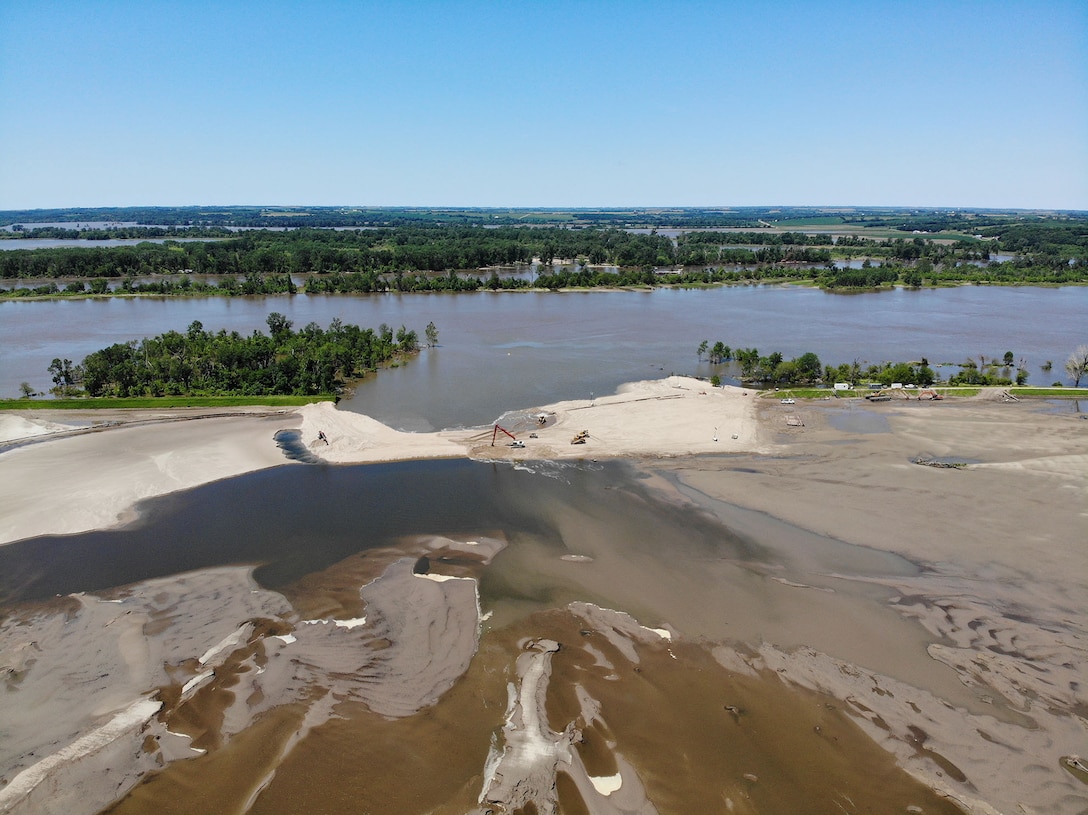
column 940, row 613
column 131, row 455
column 71, row 471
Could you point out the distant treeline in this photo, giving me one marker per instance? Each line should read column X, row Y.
column 450, row 258
column 907, row 220
column 867, row 278
column 307, row 362
column 116, row 233
column 318, row 251
column 1053, row 246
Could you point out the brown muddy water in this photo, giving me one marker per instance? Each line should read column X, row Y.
column 503, row 351
column 663, row 716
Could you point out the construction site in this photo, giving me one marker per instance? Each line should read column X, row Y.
column 675, row 416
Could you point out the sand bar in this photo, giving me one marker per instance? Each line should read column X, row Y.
column 60, row 475
column 999, row 594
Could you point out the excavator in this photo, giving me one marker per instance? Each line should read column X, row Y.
column 495, row 435
column 580, row 438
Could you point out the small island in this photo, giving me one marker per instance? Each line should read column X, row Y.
column 311, row 362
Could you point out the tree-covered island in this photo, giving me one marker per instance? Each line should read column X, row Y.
column 311, row 361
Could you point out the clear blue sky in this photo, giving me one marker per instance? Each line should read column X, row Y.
column 609, row 103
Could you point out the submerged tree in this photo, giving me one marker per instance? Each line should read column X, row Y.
column 1077, row 364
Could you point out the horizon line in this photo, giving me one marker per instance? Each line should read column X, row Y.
column 545, row 208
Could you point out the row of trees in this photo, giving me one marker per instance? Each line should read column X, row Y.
column 322, row 251
column 438, row 248
column 114, row 232
column 806, row 369
column 307, row 362
column 830, row 277
column 773, row 369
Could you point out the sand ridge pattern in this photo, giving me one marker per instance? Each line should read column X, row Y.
column 810, row 622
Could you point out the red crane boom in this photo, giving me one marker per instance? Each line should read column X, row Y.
column 495, row 434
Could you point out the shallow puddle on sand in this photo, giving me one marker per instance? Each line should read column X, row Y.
column 858, row 420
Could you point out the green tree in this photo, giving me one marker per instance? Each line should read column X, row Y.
column 902, row 372
column 913, row 279
column 768, row 365
column 786, row 372
column 702, row 349
column 278, row 324
column 808, row 367
column 26, row 389
column 748, row 358
column 63, row 375
column 407, row 340
column 431, row 332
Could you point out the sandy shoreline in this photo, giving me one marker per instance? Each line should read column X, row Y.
column 967, row 669
column 133, row 455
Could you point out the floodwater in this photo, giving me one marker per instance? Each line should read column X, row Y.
column 512, row 350
column 85, row 243
column 547, row 510
column 623, row 537
column 577, row 532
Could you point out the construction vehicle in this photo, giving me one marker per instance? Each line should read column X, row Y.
column 580, row 438
column 495, row 434
column 929, row 393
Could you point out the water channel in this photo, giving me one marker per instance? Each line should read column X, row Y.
column 500, row 351
column 709, row 569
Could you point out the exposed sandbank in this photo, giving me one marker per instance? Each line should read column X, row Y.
column 60, row 476
column 1000, row 596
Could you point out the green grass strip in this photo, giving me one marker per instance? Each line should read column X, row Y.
column 157, row 402
column 944, row 390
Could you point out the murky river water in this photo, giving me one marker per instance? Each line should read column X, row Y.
column 502, row 351
column 602, row 533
